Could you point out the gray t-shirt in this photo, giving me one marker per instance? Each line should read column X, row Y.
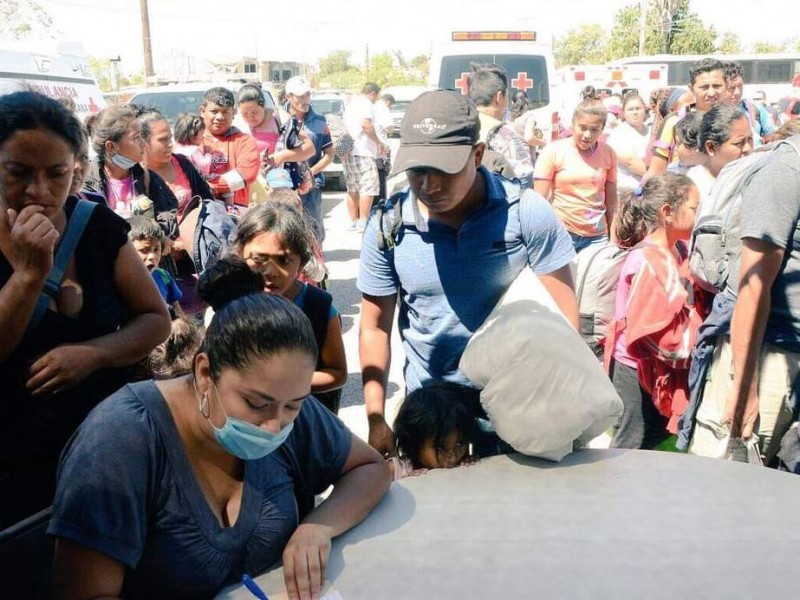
column 770, row 212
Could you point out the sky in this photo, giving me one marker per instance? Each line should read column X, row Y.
column 270, row 30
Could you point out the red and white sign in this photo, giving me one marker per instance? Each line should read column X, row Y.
column 521, row 82
column 463, row 83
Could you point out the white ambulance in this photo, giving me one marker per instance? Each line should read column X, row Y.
column 529, row 64
column 59, row 71
column 607, row 80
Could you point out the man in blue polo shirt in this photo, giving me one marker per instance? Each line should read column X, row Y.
column 298, row 95
column 465, row 236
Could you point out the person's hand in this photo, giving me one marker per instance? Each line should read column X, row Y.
column 749, row 416
column 381, row 437
column 305, row 560
column 33, row 241
column 61, row 368
column 468, row 461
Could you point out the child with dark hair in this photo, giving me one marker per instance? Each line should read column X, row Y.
column 173, row 357
column 235, row 163
column 188, row 133
column 687, row 136
column 435, row 428
column 275, row 241
column 656, row 318
column 314, row 271
column 148, row 239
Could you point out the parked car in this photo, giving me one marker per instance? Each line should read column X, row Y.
column 172, row 100
column 326, row 104
column 403, row 96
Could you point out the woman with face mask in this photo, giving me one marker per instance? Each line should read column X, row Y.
column 117, row 176
column 176, row 488
column 72, row 322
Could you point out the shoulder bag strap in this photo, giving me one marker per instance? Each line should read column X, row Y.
column 66, row 248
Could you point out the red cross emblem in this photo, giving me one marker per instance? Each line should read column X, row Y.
column 93, row 108
column 462, row 84
column 521, row 82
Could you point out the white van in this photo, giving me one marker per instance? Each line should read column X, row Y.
column 60, row 71
column 530, row 67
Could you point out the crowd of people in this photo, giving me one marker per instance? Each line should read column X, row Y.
column 174, row 361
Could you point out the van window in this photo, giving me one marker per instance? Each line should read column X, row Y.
column 524, row 72
column 171, row 104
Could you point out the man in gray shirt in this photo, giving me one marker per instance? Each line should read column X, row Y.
column 756, row 370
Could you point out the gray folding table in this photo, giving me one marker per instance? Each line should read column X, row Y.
column 602, row 524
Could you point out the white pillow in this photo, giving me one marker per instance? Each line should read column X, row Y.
column 541, row 385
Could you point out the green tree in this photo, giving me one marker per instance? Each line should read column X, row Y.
column 381, row 67
column 768, row 47
column 691, row 36
column 581, row 45
column 730, row 43
column 101, row 68
column 671, row 28
column 420, row 64
column 337, row 61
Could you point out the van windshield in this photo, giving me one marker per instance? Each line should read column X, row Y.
column 524, row 72
column 171, row 104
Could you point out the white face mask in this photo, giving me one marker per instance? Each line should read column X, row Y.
column 123, row 162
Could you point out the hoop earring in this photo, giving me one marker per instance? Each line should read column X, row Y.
column 203, row 405
column 202, row 402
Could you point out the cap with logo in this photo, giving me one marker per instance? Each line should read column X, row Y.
column 297, row 86
column 438, row 132
column 279, row 178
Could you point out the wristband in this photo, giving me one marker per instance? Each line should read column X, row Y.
column 234, row 180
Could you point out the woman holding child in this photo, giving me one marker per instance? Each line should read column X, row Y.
column 100, row 316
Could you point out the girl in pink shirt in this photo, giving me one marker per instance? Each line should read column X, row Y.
column 655, row 321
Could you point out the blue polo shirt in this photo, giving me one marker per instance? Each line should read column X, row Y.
column 317, row 128
column 449, row 280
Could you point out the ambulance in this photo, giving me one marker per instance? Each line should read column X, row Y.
column 529, row 64
column 59, row 71
column 608, row 80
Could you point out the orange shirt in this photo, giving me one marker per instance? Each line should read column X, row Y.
column 234, row 151
column 578, row 184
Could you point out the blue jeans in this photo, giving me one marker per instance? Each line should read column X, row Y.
column 581, row 242
column 312, row 205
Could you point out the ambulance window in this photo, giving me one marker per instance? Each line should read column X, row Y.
column 524, row 72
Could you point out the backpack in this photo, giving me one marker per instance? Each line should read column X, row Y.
column 599, row 268
column 390, row 219
column 342, row 140
column 213, row 234
column 716, row 238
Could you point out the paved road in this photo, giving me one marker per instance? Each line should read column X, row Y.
column 341, row 250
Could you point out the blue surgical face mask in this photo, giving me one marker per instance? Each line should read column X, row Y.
column 123, row 162
column 244, row 440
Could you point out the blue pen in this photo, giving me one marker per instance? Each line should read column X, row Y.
column 253, row 587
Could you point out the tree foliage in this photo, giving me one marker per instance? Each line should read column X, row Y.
column 385, row 69
column 766, row 47
column 671, row 28
column 583, row 44
column 337, row 61
column 730, row 43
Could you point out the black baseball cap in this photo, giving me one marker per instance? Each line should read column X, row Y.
column 438, row 132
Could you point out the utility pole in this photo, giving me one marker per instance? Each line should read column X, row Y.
column 148, row 49
column 642, row 25
column 367, row 62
